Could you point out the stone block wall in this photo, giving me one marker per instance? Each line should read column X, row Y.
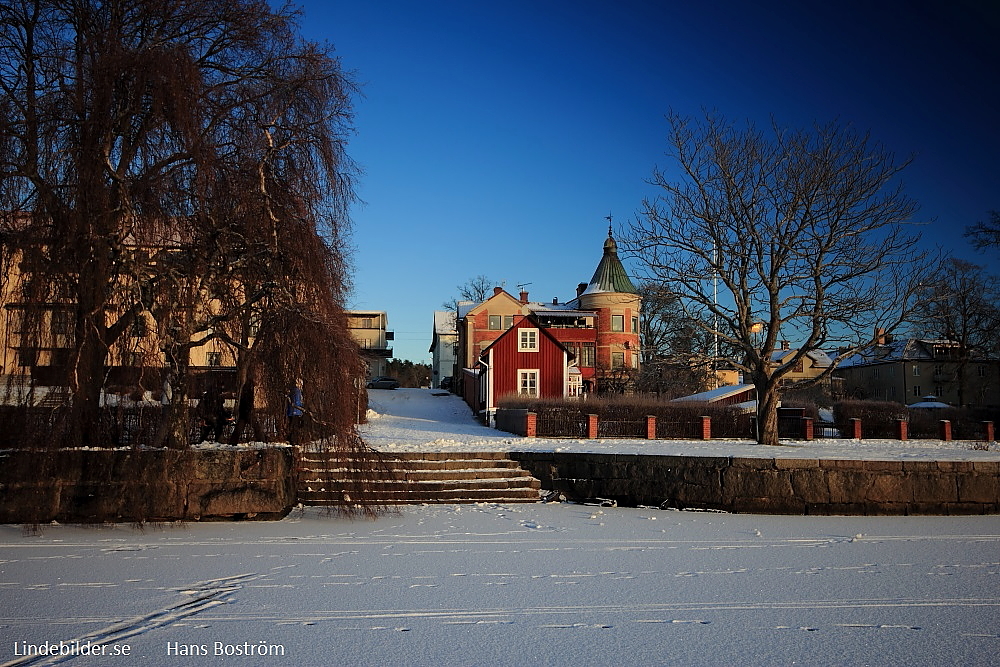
column 86, row 486
column 773, row 486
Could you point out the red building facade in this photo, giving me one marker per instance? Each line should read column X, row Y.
column 590, row 343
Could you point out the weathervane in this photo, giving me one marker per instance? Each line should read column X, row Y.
column 609, row 217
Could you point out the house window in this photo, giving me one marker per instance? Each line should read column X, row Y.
column 588, row 355
column 916, row 370
column 495, row 322
column 527, row 382
column 366, row 323
column 139, row 326
column 875, row 372
column 60, row 322
column 617, row 360
column 214, row 358
column 981, row 371
column 508, row 322
column 916, row 390
column 529, row 340
column 27, row 356
column 618, row 323
column 635, row 325
column 938, row 391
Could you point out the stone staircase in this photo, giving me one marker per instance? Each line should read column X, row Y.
column 419, row 477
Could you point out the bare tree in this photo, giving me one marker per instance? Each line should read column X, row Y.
column 676, row 352
column 985, row 234
column 180, row 163
column 958, row 302
column 476, row 289
column 801, row 230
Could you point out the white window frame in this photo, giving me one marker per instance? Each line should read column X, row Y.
column 527, row 382
column 527, row 340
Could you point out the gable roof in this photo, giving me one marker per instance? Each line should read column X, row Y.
column 499, row 294
column 819, row 358
column 533, row 322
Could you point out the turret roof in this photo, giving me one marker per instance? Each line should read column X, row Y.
column 610, row 275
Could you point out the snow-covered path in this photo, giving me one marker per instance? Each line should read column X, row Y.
column 426, row 420
column 555, row 584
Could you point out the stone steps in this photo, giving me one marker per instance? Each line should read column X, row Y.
column 418, row 477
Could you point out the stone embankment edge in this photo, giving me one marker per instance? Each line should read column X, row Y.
column 772, row 486
column 88, row 486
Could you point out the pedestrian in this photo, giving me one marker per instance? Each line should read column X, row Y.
column 213, row 413
column 295, row 411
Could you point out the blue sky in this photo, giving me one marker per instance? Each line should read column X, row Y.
column 496, row 137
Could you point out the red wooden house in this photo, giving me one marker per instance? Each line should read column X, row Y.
column 526, row 359
column 598, row 331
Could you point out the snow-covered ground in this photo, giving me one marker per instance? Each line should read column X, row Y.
column 426, row 420
column 534, row 584
column 492, row 584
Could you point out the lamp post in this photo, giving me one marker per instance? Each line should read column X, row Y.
column 757, row 330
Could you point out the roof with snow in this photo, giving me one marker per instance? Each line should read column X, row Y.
column 444, row 322
column 905, row 349
column 819, row 358
column 717, row 394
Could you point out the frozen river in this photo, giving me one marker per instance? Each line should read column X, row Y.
column 535, row 584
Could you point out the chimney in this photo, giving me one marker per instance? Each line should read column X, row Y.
column 785, row 345
column 581, row 288
column 497, row 290
column 555, row 301
column 524, row 297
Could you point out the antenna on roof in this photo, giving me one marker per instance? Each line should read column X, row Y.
column 521, row 286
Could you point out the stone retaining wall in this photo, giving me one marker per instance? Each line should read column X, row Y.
column 773, row 486
column 86, row 486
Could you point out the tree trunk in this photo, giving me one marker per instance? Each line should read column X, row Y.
column 90, row 360
column 174, row 430
column 767, row 414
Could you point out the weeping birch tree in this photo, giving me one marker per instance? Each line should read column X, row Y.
column 180, row 164
column 795, row 235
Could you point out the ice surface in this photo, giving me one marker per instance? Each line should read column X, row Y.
column 555, row 584
column 524, row 584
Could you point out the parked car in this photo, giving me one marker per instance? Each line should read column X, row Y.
column 446, row 383
column 382, row 382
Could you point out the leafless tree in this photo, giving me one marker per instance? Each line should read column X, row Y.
column 180, row 163
column 958, row 302
column 476, row 289
column 676, row 352
column 801, row 230
column 985, row 234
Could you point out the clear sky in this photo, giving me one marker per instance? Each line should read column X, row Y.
column 496, row 136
